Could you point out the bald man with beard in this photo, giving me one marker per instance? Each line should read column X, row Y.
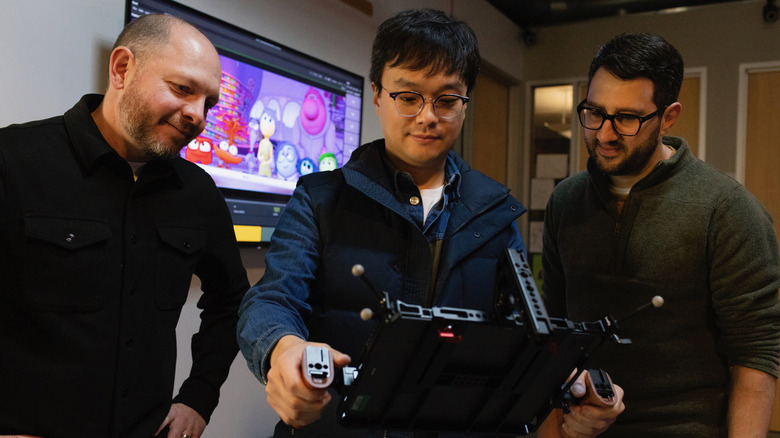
column 102, row 226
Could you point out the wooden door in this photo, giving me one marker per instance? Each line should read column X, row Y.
column 687, row 125
column 762, row 157
column 489, row 109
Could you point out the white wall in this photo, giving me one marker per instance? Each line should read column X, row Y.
column 54, row 51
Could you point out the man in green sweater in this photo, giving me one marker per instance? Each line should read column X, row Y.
column 648, row 218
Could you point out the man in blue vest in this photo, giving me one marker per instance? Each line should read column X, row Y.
column 427, row 228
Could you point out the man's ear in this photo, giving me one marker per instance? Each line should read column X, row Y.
column 122, row 61
column 376, row 91
column 670, row 117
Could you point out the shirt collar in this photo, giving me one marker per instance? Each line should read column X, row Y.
column 452, row 176
column 91, row 148
column 88, row 142
column 402, row 181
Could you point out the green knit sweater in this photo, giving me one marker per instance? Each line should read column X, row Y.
column 696, row 237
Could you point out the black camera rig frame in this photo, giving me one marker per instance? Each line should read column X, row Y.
column 462, row 370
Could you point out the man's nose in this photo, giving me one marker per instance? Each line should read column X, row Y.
column 195, row 111
column 607, row 132
column 428, row 112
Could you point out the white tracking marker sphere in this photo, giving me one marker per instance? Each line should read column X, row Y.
column 366, row 314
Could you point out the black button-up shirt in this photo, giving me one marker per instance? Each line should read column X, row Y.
column 94, row 270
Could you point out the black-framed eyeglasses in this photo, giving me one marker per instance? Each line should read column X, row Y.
column 410, row 103
column 622, row 123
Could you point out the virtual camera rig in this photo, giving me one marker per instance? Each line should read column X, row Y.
column 461, row 370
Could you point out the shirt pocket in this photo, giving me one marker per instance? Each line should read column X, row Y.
column 66, row 261
column 178, row 253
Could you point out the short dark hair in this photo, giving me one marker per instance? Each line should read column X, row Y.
column 146, row 33
column 630, row 56
column 420, row 39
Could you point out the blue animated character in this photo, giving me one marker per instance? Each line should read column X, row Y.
column 306, row 166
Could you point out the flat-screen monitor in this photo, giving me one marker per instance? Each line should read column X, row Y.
column 281, row 114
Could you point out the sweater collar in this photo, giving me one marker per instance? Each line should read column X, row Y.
column 663, row 169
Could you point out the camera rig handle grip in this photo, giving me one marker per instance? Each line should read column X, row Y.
column 317, row 367
column 599, row 391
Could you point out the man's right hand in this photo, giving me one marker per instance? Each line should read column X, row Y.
column 297, row 403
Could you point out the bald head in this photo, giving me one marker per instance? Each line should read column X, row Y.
column 145, row 35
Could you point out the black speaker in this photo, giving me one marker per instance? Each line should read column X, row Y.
column 770, row 11
column 529, row 37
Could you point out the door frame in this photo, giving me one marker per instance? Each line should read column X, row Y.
column 701, row 73
column 528, row 122
column 745, row 70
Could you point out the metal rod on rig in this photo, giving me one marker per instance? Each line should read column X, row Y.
column 657, row 301
column 358, row 270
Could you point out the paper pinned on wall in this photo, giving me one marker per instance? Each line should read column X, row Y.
column 535, row 243
column 541, row 189
column 552, row 165
column 536, row 267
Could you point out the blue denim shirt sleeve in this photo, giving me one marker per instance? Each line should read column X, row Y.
column 516, row 242
column 276, row 306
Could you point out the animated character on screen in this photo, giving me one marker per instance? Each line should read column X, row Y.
column 227, row 154
column 328, row 161
column 199, row 151
column 233, row 125
column 310, row 124
column 286, row 161
column 250, row 158
column 254, row 132
column 306, row 166
column 267, row 128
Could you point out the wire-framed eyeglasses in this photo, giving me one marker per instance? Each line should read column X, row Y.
column 622, row 123
column 410, row 103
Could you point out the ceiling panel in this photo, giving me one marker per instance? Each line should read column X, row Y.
column 532, row 13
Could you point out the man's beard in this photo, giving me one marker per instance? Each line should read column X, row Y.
column 634, row 161
column 141, row 126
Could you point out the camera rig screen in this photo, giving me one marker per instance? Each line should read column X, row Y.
column 461, row 370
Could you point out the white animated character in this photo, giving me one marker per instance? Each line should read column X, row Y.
column 286, row 161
